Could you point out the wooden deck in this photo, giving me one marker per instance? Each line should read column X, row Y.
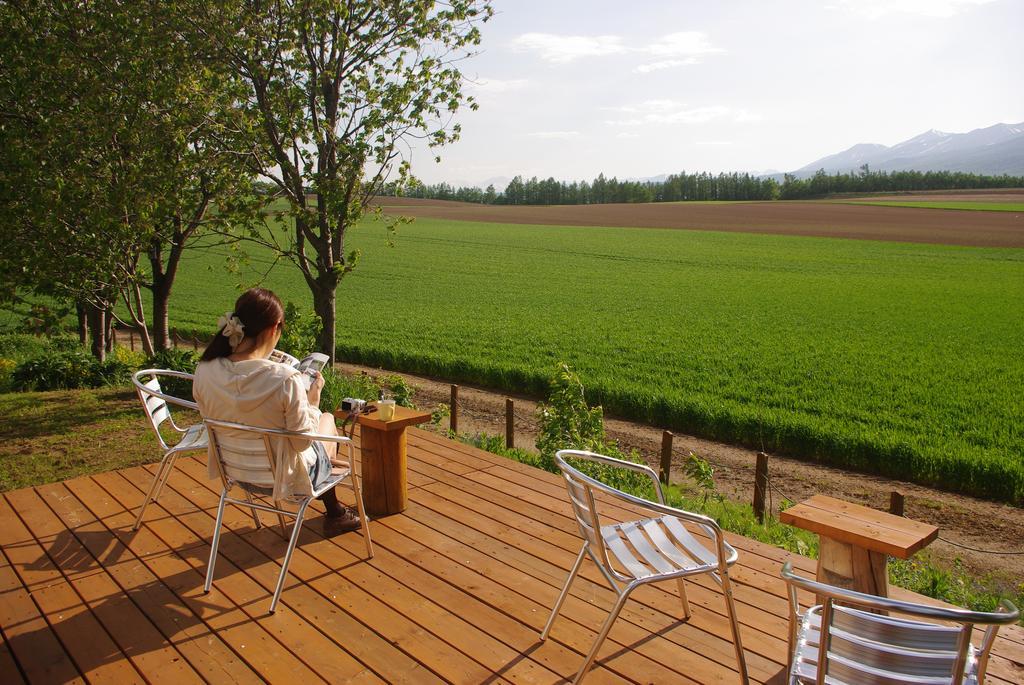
column 458, row 591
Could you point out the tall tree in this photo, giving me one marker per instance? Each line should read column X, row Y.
column 105, row 129
column 337, row 89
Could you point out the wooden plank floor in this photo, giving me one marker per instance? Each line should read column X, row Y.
column 458, row 590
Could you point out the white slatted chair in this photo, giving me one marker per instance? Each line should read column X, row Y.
column 861, row 647
column 642, row 551
column 156, row 405
column 245, row 458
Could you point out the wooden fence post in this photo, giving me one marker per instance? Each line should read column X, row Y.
column 666, row 455
column 453, row 421
column 131, row 339
column 174, row 340
column 510, row 429
column 760, row 485
column 896, row 503
column 195, row 342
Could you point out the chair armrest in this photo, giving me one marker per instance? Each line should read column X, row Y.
column 171, row 399
column 341, row 439
column 1006, row 615
column 619, row 464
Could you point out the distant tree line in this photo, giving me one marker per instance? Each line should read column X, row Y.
column 703, row 186
column 601, row 190
column 867, row 181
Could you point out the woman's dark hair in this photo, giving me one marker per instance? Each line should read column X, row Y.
column 258, row 309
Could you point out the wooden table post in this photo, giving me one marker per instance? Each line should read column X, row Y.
column 856, row 542
column 383, row 459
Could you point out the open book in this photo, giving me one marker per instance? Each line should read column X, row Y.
column 309, row 365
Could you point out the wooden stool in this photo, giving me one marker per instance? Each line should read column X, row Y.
column 856, row 541
column 383, row 459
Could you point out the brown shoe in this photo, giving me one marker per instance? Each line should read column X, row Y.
column 336, row 525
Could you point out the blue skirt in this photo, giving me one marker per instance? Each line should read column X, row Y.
column 321, row 470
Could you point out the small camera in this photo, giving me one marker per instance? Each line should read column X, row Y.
column 352, row 405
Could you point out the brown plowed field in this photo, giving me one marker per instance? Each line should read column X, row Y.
column 807, row 218
column 980, row 195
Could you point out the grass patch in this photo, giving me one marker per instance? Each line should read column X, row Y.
column 52, row 436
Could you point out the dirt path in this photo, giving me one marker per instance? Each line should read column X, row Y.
column 963, row 520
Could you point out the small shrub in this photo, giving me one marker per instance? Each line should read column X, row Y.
column 57, row 371
column 44, row 319
column 65, row 343
column 439, row 414
column 131, row 358
column 396, row 388
column 363, row 386
column 568, row 422
column 333, row 391
column 6, row 369
column 175, row 360
column 22, row 346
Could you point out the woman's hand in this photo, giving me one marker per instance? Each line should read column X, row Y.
column 314, row 389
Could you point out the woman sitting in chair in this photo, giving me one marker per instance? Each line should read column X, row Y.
column 236, row 381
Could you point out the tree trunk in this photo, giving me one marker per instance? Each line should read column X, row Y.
column 108, row 330
column 161, row 306
column 324, row 300
column 83, row 324
column 164, row 274
column 97, row 329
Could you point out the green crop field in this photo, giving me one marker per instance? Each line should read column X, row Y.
column 903, row 359
column 953, row 204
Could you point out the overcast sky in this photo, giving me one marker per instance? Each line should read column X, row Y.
column 571, row 88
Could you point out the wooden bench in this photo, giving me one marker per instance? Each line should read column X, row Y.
column 856, row 541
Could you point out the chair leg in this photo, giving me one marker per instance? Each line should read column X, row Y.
column 280, row 518
column 216, row 541
column 730, row 606
column 362, row 512
column 564, row 593
column 288, row 553
column 605, row 629
column 151, row 494
column 253, row 511
column 171, row 458
column 682, row 596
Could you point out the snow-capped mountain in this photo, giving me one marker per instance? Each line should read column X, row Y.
column 995, row 150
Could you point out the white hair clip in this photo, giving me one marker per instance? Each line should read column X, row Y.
column 234, row 331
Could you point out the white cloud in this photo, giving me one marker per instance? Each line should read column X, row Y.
column 714, row 143
column 562, row 49
column 875, row 9
column 661, row 112
column 554, row 135
column 494, row 86
column 675, row 49
column 626, row 134
column 683, row 43
column 647, row 106
column 664, row 64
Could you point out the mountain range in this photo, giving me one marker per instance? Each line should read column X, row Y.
column 994, row 150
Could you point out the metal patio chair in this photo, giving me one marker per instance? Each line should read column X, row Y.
column 859, row 646
column 244, row 457
column 156, row 404
column 642, row 551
